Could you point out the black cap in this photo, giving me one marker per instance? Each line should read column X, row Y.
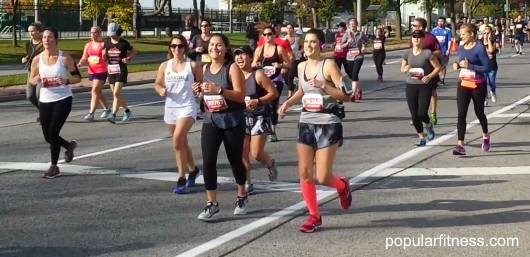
column 276, row 22
column 418, row 34
column 244, row 49
column 341, row 24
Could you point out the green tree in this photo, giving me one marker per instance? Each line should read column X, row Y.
column 326, row 11
column 395, row 5
column 118, row 11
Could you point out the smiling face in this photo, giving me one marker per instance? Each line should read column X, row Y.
column 177, row 47
column 311, row 46
column 217, row 48
column 466, row 34
column 95, row 34
column 242, row 60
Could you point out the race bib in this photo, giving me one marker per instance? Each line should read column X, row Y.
column 114, row 69
column 313, row 102
column 441, row 39
column 512, row 27
column 205, row 58
column 519, row 26
column 338, row 48
column 378, row 44
column 352, row 53
column 416, row 73
column 93, row 59
column 215, row 103
column 467, row 78
column 51, row 81
column 269, row 70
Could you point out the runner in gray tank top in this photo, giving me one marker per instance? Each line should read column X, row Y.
column 260, row 93
column 320, row 129
column 421, row 66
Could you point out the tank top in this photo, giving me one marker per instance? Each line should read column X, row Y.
column 96, row 64
column 233, row 114
column 315, row 99
column 254, row 91
column 267, row 61
column 178, row 86
column 51, row 90
column 295, row 46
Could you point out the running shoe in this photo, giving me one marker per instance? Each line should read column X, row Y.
column 181, row 186
column 272, row 171
column 345, row 197
column 430, row 132
column 69, row 153
column 421, row 142
column 311, row 224
column 241, row 206
column 249, row 189
column 53, row 172
column 112, row 118
column 273, row 137
column 192, row 177
column 459, row 150
column 486, row 143
column 89, row 117
column 209, row 211
column 126, row 115
column 105, row 114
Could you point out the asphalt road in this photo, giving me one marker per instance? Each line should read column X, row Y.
column 115, row 199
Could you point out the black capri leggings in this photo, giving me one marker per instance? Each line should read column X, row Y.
column 353, row 68
column 463, row 98
column 293, row 73
column 418, row 100
column 379, row 59
column 52, row 118
column 275, row 103
column 233, row 139
column 340, row 61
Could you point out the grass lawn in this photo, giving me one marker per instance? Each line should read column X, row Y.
column 13, row 55
column 20, row 79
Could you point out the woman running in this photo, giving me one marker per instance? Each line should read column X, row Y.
column 379, row 53
column 319, row 130
column 97, row 72
column 50, row 70
column 260, row 93
column 354, row 41
column 490, row 44
column 223, row 91
column 294, row 39
column 174, row 82
column 339, row 53
column 474, row 65
column 272, row 58
column 33, row 48
column 199, row 52
column 421, row 66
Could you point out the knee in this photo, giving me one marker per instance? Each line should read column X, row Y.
column 116, row 94
column 180, row 142
column 255, row 153
column 306, row 174
column 324, row 177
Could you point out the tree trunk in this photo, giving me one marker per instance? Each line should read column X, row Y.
column 453, row 18
column 195, row 9
column 168, row 10
column 398, row 24
column 315, row 19
column 15, row 5
column 202, row 7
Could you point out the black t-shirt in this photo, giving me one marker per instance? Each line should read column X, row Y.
column 519, row 27
column 116, row 52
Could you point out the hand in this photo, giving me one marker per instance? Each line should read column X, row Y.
column 316, row 83
column 162, row 92
column 464, row 63
column 125, row 60
column 284, row 71
column 426, row 79
column 196, row 86
column 63, row 81
column 276, row 65
column 37, row 79
column 254, row 65
column 24, row 60
column 210, row 87
column 406, row 69
column 252, row 104
column 199, row 49
column 283, row 110
column 455, row 66
column 79, row 64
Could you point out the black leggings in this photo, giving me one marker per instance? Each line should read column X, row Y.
column 293, row 73
column 233, row 139
column 52, row 118
column 201, row 105
column 340, row 61
column 418, row 100
column 275, row 103
column 463, row 98
column 353, row 68
column 379, row 59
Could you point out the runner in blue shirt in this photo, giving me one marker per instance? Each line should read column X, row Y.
column 444, row 37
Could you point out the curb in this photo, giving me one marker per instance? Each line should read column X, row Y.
column 81, row 89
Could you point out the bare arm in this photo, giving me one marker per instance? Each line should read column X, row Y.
column 34, row 77
column 297, row 96
column 404, row 64
column 436, row 65
column 72, row 68
column 332, row 73
column 266, row 83
column 285, row 57
column 85, row 56
column 257, row 52
column 160, row 86
column 238, row 85
column 197, row 71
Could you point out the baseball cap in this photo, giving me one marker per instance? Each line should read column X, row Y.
column 246, row 49
column 112, row 29
column 341, row 24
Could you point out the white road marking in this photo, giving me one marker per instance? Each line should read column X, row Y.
column 463, row 171
column 66, row 168
column 203, row 248
column 514, row 115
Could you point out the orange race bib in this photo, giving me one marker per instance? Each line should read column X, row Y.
column 467, row 78
column 215, row 103
column 313, row 102
column 51, row 82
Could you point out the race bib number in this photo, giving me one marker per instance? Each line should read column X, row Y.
column 93, row 59
column 205, row 58
column 416, row 73
column 313, row 102
column 378, row 44
column 519, row 26
column 215, row 103
column 114, row 69
column 352, row 53
column 338, row 48
column 441, row 39
column 269, row 70
column 467, row 78
column 51, row 82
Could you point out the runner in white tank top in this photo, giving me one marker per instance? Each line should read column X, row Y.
column 175, row 81
column 50, row 69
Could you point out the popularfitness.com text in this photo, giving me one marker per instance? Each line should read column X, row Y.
column 449, row 241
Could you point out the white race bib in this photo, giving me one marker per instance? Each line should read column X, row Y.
column 215, row 103
column 338, row 48
column 313, row 102
column 467, row 75
column 519, row 26
column 93, row 59
column 416, row 73
column 205, row 58
column 114, row 69
column 51, row 81
column 441, row 39
column 269, row 70
column 352, row 53
column 378, row 44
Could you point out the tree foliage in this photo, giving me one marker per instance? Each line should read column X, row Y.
column 326, row 11
column 118, row 11
column 29, row 5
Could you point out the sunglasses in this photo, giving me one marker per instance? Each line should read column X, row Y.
column 179, row 46
column 267, row 34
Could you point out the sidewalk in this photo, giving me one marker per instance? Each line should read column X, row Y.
column 14, row 93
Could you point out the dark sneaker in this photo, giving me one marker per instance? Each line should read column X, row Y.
column 192, row 176
column 311, row 224
column 459, row 150
column 486, row 143
column 69, row 153
column 181, row 186
column 52, row 172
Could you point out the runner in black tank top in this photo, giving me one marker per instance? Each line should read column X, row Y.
column 266, row 63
